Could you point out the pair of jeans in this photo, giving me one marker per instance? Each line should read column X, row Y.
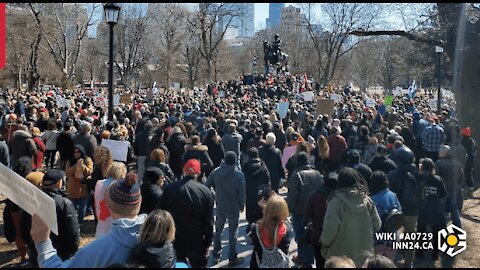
column 304, row 252
column 50, row 156
column 80, row 205
column 452, row 208
column 232, row 234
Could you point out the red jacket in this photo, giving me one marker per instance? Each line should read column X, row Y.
column 337, row 144
column 38, row 158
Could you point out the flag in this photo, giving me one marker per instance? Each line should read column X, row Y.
column 412, row 90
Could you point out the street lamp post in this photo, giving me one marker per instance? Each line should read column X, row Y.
column 439, row 51
column 111, row 17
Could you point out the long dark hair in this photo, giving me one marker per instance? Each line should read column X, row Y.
column 351, row 178
column 378, row 182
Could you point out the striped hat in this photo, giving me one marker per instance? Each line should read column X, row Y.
column 124, row 197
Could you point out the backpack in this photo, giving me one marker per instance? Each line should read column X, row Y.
column 274, row 257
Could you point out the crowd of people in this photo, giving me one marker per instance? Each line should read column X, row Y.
column 352, row 172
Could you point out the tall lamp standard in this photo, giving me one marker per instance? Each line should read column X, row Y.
column 111, row 17
column 439, row 51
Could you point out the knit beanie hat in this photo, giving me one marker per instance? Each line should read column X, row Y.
column 124, row 197
column 230, row 158
column 302, row 159
column 253, row 152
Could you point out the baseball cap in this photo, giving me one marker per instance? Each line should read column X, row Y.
column 192, row 167
column 51, row 177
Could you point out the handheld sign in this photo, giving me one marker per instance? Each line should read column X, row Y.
column 119, row 149
column 283, row 109
column 336, row 98
column 116, row 100
column 388, row 101
column 28, row 197
column 369, row 102
column 325, row 106
column 308, row 96
column 288, row 152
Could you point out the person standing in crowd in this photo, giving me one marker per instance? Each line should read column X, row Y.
column 271, row 230
column 22, row 144
column 176, row 147
column 4, row 153
column 337, row 145
column 301, row 183
column 451, row 172
column 231, row 141
column 102, row 161
column 321, row 154
column 123, row 200
column 215, row 147
column 229, row 185
column 65, row 144
column 257, row 141
column 281, row 137
column 433, row 138
column 86, row 140
column 256, row 175
column 418, row 127
column 471, row 149
column 381, row 162
column 155, row 249
column 140, row 148
column 156, row 140
column 50, row 139
column 151, row 189
column 157, row 159
column 432, row 204
column 272, row 157
column 78, row 169
column 315, row 210
column 191, row 205
column 38, row 157
column 353, row 161
column 117, row 171
column 198, row 151
column 351, row 219
column 404, row 182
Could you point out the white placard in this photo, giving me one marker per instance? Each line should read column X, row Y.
column 308, row 96
column 116, row 100
column 370, row 102
column 28, row 197
column 176, row 86
column 432, row 103
column 119, row 149
column 221, row 94
column 99, row 101
column 283, row 109
column 296, row 87
column 336, row 97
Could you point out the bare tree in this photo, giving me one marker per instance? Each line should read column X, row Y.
column 332, row 44
column 64, row 26
column 211, row 24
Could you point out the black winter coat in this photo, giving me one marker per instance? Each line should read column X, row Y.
column 273, row 160
column 199, row 152
column 150, row 196
column 216, row 152
column 65, row 145
column 383, row 164
column 191, row 205
column 167, row 171
column 256, row 174
column 154, row 255
column 176, row 146
column 404, row 181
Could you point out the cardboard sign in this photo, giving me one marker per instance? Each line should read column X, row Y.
column 370, row 102
column 325, row 106
column 28, row 197
column 119, row 149
column 388, row 101
column 125, row 99
column 283, row 109
column 308, row 96
column 336, row 98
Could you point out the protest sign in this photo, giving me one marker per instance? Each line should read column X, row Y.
column 119, row 149
column 308, row 96
column 388, row 101
column 176, row 86
column 432, row 103
column 288, row 152
column 99, row 101
column 370, row 102
column 28, row 197
column 336, row 97
column 283, row 109
column 221, row 94
column 116, row 100
column 125, row 99
column 398, row 91
column 296, row 87
column 325, row 106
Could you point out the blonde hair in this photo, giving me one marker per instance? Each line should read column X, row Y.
column 159, row 227
column 158, row 155
column 274, row 214
column 118, row 170
column 323, row 147
column 373, row 141
column 103, row 157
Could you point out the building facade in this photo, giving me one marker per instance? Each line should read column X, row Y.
column 274, row 14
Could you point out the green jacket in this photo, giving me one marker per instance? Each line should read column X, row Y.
column 349, row 226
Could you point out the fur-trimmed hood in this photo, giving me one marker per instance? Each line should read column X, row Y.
column 198, row 147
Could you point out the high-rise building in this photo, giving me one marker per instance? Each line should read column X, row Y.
column 292, row 20
column 274, row 14
column 243, row 17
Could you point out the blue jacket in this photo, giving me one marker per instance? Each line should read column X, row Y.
column 115, row 247
column 386, row 201
column 229, row 184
